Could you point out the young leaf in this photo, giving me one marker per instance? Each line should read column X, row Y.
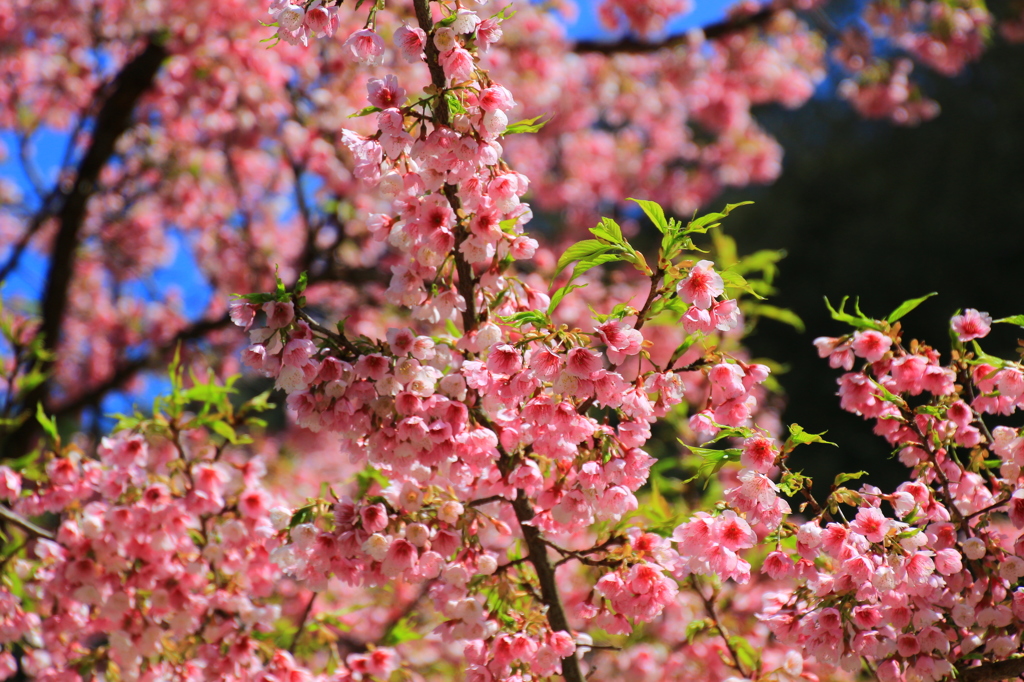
column 300, row 286
column 734, row 280
column 224, row 429
column 655, row 212
column 859, row 321
column 907, row 306
column 695, row 628
column 843, row 478
column 608, row 230
column 48, row 423
column 1015, row 319
column 580, row 251
column 454, row 105
column 528, row 125
column 365, row 111
column 557, row 297
column 749, row 657
column 783, row 315
column 401, row 632
column 302, row 515
column 793, row 482
column 533, row 317
column 797, row 436
column 705, row 223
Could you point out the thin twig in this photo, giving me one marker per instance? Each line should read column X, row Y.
column 546, row 577
column 20, row 521
column 302, row 623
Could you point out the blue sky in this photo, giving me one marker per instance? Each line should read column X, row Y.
column 704, row 13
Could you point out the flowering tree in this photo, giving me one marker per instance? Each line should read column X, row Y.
column 184, row 133
column 495, row 514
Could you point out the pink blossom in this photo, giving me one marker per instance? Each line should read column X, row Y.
column 457, row 64
column 410, row 42
column 702, row 285
column 971, row 324
column 364, row 47
column 385, row 92
column 870, row 345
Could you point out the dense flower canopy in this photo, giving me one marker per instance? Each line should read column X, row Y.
column 472, row 492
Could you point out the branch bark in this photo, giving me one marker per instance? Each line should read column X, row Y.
column 993, row 672
column 127, row 370
column 716, row 31
column 546, row 577
column 112, row 121
column 23, row 523
column 467, row 280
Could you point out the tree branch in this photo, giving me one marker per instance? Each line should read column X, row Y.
column 467, row 280
column 112, row 121
column 23, row 523
column 716, row 31
column 546, row 577
column 993, row 672
column 127, row 370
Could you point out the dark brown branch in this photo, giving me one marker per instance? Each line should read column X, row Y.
column 302, row 623
column 716, row 31
column 112, row 121
column 992, row 672
column 546, row 577
column 126, row 371
column 467, row 280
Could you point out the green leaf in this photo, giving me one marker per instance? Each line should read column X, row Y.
column 797, row 436
column 749, row 657
column 557, row 297
column 655, row 212
column 208, row 393
column 793, row 482
column 843, row 478
column 48, row 423
column 783, row 315
column 259, row 403
column 907, row 306
column 712, row 461
column 224, row 429
column 506, row 13
column 859, row 321
column 981, row 357
column 256, row 298
column 705, row 223
column 594, row 261
column 401, row 632
column 367, row 477
column 608, row 230
column 300, row 286
column 887, row 395
column 579, row 251
column 527, row 125
column 281, row 290
column 448, row 20
column 533, row 317
column 695, row 628
column 449, row 325
column 365, row 111
column 1015, row 319
column 454, row 105
column 735, row 280
column 302, row 515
